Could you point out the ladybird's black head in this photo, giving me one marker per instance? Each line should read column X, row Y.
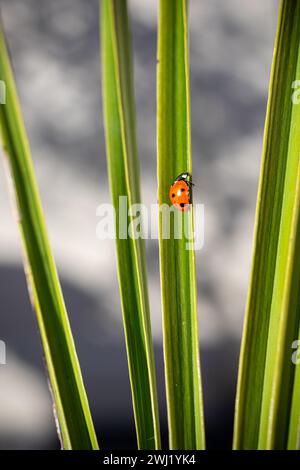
column 184, row 176
column 187, row 177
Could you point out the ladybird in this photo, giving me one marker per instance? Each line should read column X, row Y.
column 181, row 192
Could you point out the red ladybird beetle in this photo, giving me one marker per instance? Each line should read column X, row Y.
column 181, row 192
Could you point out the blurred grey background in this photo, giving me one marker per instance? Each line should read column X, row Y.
column 55, row 50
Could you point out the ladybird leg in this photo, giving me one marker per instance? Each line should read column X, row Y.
column 190, row 186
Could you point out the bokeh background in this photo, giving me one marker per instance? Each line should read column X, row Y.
column 54, row 46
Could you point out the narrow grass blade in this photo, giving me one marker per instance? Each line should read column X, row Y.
column 177, row 263
column 123, row 166
column 70, row 399
column 266, row 382
column 294, row 424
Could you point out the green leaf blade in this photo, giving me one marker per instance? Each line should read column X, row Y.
column 177, row 264
column 71, row 404
column 266, row 374
column 123, row 168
